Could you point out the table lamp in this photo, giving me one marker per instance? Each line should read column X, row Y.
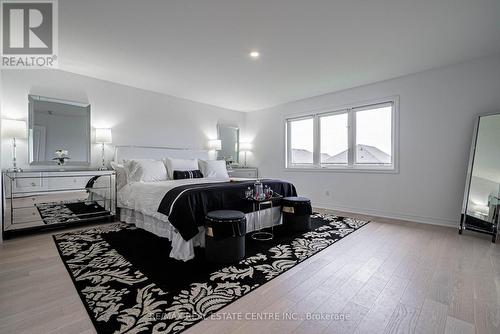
column 14, row 129
column 103, row 136
column 245, row 147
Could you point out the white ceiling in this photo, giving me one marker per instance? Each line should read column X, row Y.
column 198, row 50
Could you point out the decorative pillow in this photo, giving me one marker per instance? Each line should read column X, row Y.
column 214, row 169
column 187, row 174
column 121, row 175
column 146, row 171
column 180, row 165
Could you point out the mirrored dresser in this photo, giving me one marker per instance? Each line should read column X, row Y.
column 43, row 199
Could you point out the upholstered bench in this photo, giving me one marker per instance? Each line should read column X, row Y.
column 296, row 213
column 225, row 236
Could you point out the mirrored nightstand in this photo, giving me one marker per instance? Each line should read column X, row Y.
column 244, row 172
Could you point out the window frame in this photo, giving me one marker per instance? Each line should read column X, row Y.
column 289, row 141
column 351, row 110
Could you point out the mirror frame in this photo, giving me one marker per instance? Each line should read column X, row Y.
column 237, row 128
column 31, row 111
column 470, row 167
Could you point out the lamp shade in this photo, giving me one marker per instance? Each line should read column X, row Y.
column 245, row 147
column 103, row 136
column 214, row 145
column 12, row 128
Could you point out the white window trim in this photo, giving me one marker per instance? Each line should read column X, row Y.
column 351, row 166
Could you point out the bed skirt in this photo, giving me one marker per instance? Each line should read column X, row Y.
column 182, row 249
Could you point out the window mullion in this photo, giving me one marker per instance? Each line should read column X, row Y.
column 316, row 144
column 288, row 144
column 394, row 135
column 351, row 133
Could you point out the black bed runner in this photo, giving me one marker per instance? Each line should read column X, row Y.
column 187, row 205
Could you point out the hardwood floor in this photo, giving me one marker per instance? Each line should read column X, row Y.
column 389, row 277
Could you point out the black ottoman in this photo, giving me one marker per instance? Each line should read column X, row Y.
column 225, row 236
column 296, row 213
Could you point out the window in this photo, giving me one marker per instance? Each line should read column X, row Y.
column 374, row 135
column 302, row 141
column 360, row 137
column 334, row 139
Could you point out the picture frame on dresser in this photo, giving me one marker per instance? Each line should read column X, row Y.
column 35, row 200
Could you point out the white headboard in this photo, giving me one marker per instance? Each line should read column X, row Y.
column 151, row 152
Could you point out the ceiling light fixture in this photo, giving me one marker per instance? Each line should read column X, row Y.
column 254, row 54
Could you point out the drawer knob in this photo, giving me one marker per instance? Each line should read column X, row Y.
column 33, row 184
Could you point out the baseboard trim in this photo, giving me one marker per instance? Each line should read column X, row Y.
column 393, row 215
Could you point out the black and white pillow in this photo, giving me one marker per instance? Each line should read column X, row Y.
column 187, row 174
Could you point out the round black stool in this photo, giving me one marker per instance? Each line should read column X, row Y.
column 296, row 213
column 225, row 236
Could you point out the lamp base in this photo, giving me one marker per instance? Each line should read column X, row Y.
column 103, row 162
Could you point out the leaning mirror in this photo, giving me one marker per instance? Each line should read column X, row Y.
column 58, row 125
column 229, row 137
column 481, row 200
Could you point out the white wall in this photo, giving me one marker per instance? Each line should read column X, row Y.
column 437, row 112
column 137, row 117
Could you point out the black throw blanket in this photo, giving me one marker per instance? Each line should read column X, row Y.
column 187, row 205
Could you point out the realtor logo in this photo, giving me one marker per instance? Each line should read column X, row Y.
column 29, row 33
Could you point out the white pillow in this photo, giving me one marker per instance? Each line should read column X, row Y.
column 179, row 164
column 121, row 175
column 146, row 171
column 214, row 168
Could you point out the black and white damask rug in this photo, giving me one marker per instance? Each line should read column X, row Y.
column 62, row 212
column 129, row 284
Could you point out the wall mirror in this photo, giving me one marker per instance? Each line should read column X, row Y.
column 58, row 125
column 481, row 200
column 230, row 137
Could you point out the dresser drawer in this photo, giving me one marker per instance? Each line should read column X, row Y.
column 25, row 215
column 78, row 182
column 20, row 202
column 62, row 183
column 244, row 173
column 26, row 183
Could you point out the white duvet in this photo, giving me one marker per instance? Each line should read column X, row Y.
column 145, row 197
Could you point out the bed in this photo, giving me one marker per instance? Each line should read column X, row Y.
column 139, row 202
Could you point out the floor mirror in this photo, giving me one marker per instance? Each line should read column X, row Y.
column 482, row 189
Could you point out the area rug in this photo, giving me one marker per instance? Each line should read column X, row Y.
column 129, row 284
column 61, row 212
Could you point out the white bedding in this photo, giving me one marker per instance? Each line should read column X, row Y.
column 139, row 202
column 145, row 197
